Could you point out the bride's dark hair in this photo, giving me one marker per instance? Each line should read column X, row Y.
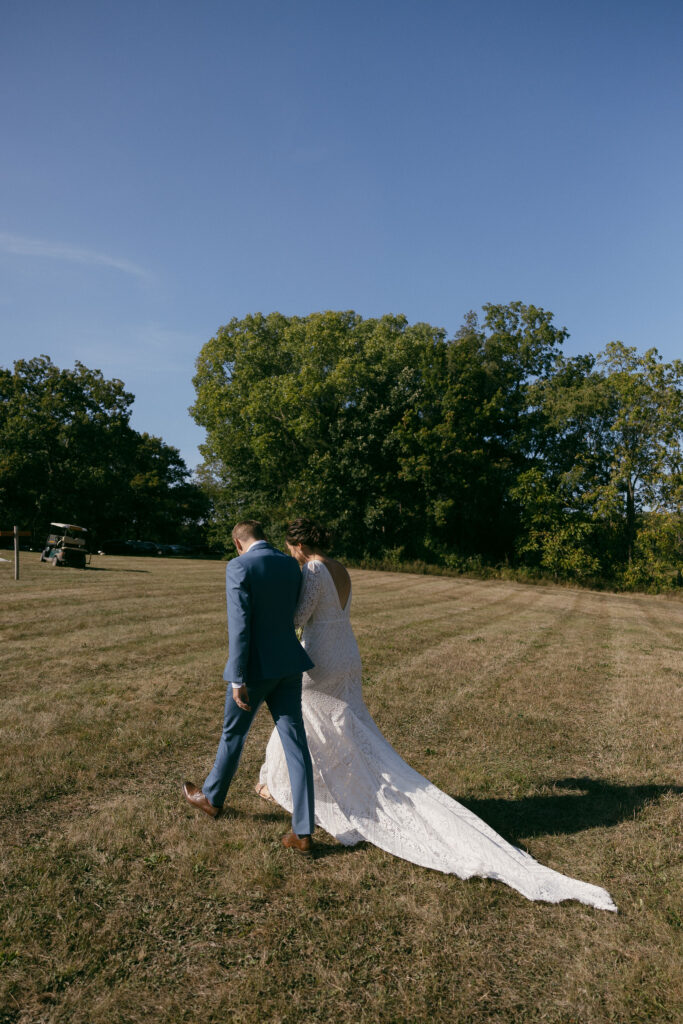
column 305, row 531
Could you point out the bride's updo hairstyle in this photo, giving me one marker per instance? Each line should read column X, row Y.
column 305, row 531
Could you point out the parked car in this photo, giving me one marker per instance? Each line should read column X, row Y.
column 165, row 549
column 66, row 545
column 132, row 547
column 147, row 547
column 115, row 547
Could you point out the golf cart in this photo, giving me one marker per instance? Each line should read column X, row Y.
column 65, row 546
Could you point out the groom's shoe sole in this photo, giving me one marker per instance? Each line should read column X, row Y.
column 196, row 798
column 302, row 845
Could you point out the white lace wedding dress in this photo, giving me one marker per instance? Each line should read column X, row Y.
column 365, row 791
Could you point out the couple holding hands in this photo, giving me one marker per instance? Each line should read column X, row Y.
column 326, row 761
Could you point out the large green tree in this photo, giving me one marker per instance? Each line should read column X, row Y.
column 483, row 427
column 305, row 414
column 398, row 437
column 645, row 468
column 68, row 453
column 607, row 489
column 490, row 444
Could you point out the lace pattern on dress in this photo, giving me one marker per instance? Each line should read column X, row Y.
column 311, row 589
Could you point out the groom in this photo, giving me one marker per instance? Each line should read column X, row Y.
column 265, row 662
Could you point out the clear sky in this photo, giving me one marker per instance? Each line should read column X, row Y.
column 168, row 165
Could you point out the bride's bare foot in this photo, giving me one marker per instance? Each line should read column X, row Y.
column 264, row 792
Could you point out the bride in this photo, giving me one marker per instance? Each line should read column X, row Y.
column 363, row 789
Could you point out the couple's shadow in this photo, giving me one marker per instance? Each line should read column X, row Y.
column 576, row 804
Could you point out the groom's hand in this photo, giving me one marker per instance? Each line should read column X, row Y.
column 241, row 697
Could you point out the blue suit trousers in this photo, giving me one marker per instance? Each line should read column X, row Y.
column 283, row 697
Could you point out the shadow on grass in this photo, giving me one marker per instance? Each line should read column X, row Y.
column 323, row 848
column 577, row 804
column 100, row 568
column 585, row 803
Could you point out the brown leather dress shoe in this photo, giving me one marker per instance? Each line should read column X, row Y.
column 194, row 796
column 300, row 844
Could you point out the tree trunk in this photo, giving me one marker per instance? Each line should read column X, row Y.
column 630, row 519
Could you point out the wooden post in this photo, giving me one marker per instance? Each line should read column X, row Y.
column 16, row 533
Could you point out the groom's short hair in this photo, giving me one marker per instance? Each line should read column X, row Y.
column 248, row 529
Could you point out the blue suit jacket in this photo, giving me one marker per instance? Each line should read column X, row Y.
column 262, row 588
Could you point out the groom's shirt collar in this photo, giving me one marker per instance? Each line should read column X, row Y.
column 253, row 545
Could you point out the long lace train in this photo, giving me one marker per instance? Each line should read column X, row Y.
column 364, row 790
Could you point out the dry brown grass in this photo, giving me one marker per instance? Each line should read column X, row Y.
column 553, row 713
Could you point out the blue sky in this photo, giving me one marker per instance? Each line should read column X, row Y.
column 167, row 166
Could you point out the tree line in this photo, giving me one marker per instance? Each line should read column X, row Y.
column 68, row 453
column 488, row 448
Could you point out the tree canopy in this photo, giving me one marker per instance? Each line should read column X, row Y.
column 490, row 445
column 68, row 453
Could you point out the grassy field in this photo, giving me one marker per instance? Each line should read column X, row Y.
column 553, row 713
